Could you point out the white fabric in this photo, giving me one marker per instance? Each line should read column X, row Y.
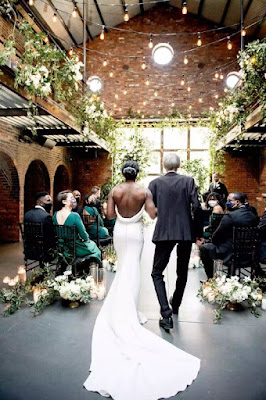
column 128, row 361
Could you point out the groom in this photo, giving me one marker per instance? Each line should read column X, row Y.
column 176, row 199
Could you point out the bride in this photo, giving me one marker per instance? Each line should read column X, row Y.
column 128, row 361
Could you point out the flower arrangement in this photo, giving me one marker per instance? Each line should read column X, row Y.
column 146, row 220
column 82, row 290
column 223, row 290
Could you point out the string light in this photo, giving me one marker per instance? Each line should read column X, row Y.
column 156, row 93
column 30, row 2
column 182, row 80
column 105, row 63
column 102, row 33
column 126, row 16
column 225, row 90
column 185, row 60
column 144, row 103
column 199, row 42
column 114, row 105
column 74, row 12
column 150, row 43
column 143, row 66
column 173, row 104
column 125, row 91
column 111, row 74
column 138, row 111
column 243, row 32
column 70, row 52
column 189, row 89
column 200, row 100
column 147, row 81
column 77, row 58
column 216, row 74
column 184, row 7
column 229, row 44
column 158, row 112
column 120, row 109
column 216, row 96
column 116, row 96
column 211, row 108
column 221, row 76
column 54, row 17
column 190, row 107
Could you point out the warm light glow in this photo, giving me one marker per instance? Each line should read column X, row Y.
column 211, row 108
column 253, row 60
column 138, row 111
column 190, row 107
column 126, row 16
column 233, row 79
column 77, row 58
column 185, row 60
column 150, row 43
column 182, row 81
column 200, row 100
column 156, row 94
column 162, row 53
column 104, row 63
column 144, row 103
column 143, row 66
column 74, row 13
column 216, row 96
column 46, row 39
column 184, row 7
column 173, row 104
column 6, row 279
column 243, row 32
column 159, row 112
column 120, row 109
column 116, row 96
column 229, row 44
column 114, row 105
column 95, row 84
column 147, row 82
column 125, row 92
column 30, row 2
column 189, row 89
column 142, row 116
column 54, row 18
column 102, row 34
column 225, row 90
column 221, row 76
column 199, row 42
column 70, row 52
column 216, row 75
column 111, row 74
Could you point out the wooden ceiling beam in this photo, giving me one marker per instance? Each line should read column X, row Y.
column 226, row 8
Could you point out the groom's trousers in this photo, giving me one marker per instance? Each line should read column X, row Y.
column 161, row 258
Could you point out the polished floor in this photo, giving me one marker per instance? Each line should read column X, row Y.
column 48, row 357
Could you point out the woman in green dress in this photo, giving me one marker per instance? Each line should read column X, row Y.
column 89, row 209
column 84, row 246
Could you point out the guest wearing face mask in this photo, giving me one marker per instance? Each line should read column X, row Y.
column 41, row 214
column 221, row 246
column 77, row 196
column 214, row 204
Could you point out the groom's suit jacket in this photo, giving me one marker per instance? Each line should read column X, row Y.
column 178, row 208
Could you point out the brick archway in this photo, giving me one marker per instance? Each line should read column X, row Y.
column 36, row 180
column 61, row 182
column 9, row 207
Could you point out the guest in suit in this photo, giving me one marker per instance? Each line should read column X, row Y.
column 77, row 196
column 41, row 214
column 218, row 187
column 249, row 207
column 221, row 246
column 94, row 199
column 175, row 196
column 262, row 231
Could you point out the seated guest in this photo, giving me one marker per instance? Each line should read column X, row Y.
column 262, row 232
column 41, row 214
column 84, row 246
column 77, row 196
column 108, row 223
column 249, row 207
column 214, row 204
column 221, row 246
column 94, row 199
column 88, row 209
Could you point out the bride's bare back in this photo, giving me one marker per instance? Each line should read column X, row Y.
column 129, row 198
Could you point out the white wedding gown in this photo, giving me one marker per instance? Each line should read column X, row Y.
column 128, row 361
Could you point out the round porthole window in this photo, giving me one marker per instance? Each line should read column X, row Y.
column 162, row 53
column 95, row 84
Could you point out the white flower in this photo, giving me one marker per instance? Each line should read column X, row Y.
column 60, row 278
column 68, row 272
column 247, row 279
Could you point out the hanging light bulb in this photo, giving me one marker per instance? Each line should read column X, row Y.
column 120, row 109
column 147, row 81
column 243, row 32
column 114, row 105
column 216, row 74
column 126, row 16
column 143, row 66
column 116, row 96
column 185, row 60
column 159, row 112
column 31, row 2
column 70, row 52
column 102, row 33
column 225, row 90
column 199, row 42
column 182, row 82
column 173, row 104
column 125, row 91
column 190, row 107
column 54, row 17
column 77, row 58
column 74, row 12
column 144, row 103
column 216, row 96
column 189, row 89
column 221, row 76
column 104, row 63
column 184, row 7
column 150, row 43
column 156, row 93
column 200, row 100
column 111, row 74
column 229, row 44
column 138, row 111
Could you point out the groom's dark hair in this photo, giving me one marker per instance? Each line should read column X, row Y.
column 130, row 169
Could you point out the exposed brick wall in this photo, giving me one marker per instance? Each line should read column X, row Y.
column 199, row 71
column 61, row 182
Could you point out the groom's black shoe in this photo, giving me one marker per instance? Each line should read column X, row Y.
column 166, row 323
column 174, row 310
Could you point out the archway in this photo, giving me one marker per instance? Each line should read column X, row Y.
column 61, row 182
column 36, row 180
column 9, row 206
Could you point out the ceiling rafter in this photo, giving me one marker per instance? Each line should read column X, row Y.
column 100, row 14
column 141, row 6
column 82, row 20
column 62, row 22
column 247, row 8
column 201, row 4
column 226, row 8
column 259, row 26
column 19, row 112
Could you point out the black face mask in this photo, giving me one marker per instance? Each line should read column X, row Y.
column 77, row 199
column 48, row 207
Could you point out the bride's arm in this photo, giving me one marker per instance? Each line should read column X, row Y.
column 149, row 205
column 111, row 206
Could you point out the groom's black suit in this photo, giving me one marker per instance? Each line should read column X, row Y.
column 176, row 199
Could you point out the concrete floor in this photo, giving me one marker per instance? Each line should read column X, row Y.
column 48, row 357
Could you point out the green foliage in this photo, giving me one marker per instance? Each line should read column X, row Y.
column 199, row 172
column 6, row 52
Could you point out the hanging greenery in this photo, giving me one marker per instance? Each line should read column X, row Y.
column 199, row 172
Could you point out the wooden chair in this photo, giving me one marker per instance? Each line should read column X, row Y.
column 245, row 241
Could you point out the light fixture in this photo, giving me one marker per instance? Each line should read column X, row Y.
column 243, row 32
column 102, row 33
column 30, row 2
column 138, row 111
column 77, row 58
column 126, row 16
column 200, row 100
column 189, row 89
column 95, row 84
column 185, row 60
column 216, row 96
column 116, row 96
column 233, row 79
column 150, row 43
column 125, row 91
column 143, row 66
column 162, row 53
column 74, row 12
column 225, row 90
column 104, row 63
column 173, row 104
column 184, row 7
column 216, row 74
column 190, row 107
column 156, row 93
column 221, row 76
column 147, row 81
column 199, row 42
column 70, row 52
column 111, row 74
column 229, row 44
column 54, row 17
column 182, row 82
column 144, row 103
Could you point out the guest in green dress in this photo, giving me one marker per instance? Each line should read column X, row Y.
column 103, row 232
column 84, row 246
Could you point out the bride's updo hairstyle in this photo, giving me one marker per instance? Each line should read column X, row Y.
column 130, row 170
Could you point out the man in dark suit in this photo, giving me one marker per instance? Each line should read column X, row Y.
column 218, row 187
column 41, row 214
column 176, row 199
column 221, row 246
